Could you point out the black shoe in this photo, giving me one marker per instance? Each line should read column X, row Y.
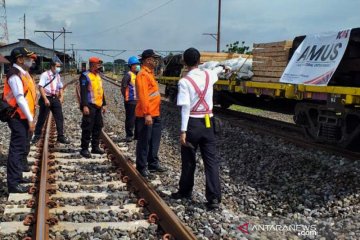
column 85, row 153
column 97, row 150
column 179, row 195
column 128, row 139
column 25, row 180
column 158, row 169
column 213, row 204
column 35, row 139
column 25, row 165
column 18, row 189
column 63, row 140
column 26, row 168
column 145, row 173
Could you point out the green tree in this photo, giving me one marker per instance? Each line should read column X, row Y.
column 237, row 48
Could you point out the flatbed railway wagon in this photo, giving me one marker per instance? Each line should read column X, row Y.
column 327, row 105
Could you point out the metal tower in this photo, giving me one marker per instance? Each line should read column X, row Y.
column 4, row 34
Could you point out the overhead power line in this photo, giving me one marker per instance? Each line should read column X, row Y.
column 129, row 21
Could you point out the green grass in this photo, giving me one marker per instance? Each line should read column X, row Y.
column 240, row 108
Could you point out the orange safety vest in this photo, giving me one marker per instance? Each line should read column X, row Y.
column 29, row 91
column 95, row 88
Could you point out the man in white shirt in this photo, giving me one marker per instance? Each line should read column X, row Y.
column 20, row 94
column 52, row 97
column 195, row 97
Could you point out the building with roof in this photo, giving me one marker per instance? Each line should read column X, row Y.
column 3, row 61
column 44, row 55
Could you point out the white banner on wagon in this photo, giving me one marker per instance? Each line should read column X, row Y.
column 316, row 59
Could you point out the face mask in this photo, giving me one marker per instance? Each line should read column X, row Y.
column 58, row 69
column 28, row 63
column 137, row 68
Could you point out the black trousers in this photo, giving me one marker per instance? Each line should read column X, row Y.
column 148, row 143
column 91, row 126
column 200, row 136
column 56, row 109
column 18, row 150
column 130, row 118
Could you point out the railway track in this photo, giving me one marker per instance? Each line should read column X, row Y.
column 287, row 131
column 74, row 198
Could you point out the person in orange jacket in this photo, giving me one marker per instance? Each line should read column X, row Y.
column 147, row 112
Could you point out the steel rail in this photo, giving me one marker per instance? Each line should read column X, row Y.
column 281, row 129
column 166, row 218
column 289, row 132
column 42, row 212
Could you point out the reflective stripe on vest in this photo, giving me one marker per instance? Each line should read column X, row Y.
column 201, row 95
column 130, row 92
column 95, row 89
column 29, row 91
column 154, row 94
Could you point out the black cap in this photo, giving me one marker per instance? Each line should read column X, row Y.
column 20, row 52
column 149, row 53
column 191, row 57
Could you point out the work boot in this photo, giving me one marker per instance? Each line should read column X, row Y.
column 35, row 139
column 97, row 150
column 158, row 169
column 85, row 153
column 18, row 189
column 26, row 180
column 25, row 165
column 213, row 204
column 128, row 139
column 179, row 195
column 63, row 139
column 146, row 174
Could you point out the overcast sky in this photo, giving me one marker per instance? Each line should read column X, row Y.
column 171, row 25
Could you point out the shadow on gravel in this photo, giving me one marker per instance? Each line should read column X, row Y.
column 273, row 178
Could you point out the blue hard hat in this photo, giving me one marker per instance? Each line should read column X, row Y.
column 133, row 60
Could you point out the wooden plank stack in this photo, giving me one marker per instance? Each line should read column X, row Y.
column 270, row 60
column 219, row 57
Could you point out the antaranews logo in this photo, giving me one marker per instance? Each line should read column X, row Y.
column 300, row 229
column 244, row 228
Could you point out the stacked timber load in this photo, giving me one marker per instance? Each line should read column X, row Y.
column 219, row 57
column 270, row 60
